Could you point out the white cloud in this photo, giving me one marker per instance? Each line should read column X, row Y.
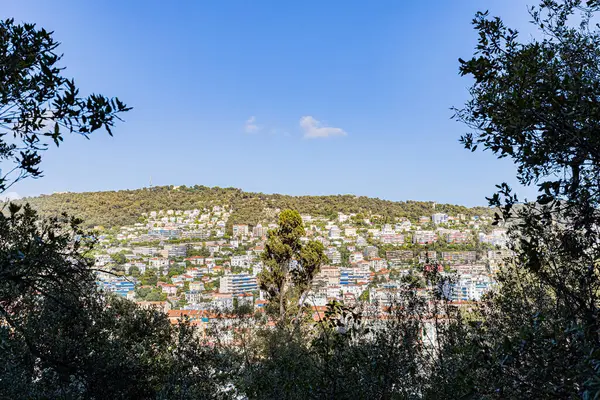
column 250, row 125
column 315, row 129
column 9, row 196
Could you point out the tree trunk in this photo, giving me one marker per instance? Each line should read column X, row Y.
column 282, row 301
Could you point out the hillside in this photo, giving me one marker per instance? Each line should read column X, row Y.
column 124, row 207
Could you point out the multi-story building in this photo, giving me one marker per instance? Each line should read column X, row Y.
column 240, row 230
column 471, row 269
column 168, row 233
column 258, row 231
column 137, row 264
column 457, row 237
column 158, row 262
column 193, row 296
column 370, row 252
column 363, row 266
column 497, row 237
column 195, row 260
column 196, row 286
column 241, row 261
column 391, row 238
column 328, row 275
column 334, row 255
column 196, row 234
column 439, row 218
column 399, row 255
column 361, row 241
column 468, row 288
column 424, row 237
column 334, row 232
column 403, row 226
column 499, row 256
column 351, row 276
column 424, row 220
column 350, row 231
column 119, row 286
column 387, row 229
column 144, row 251
column 169, row 289
column 427, row 256
column 459, row 256
column 174, row 251
column 238, row 283
column 356, row 257
column 377, row 264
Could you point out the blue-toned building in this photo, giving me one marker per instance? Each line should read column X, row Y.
column 170, row 233
column 468, row 288
column 118, row 286
column 350, row 276
column 238, row 283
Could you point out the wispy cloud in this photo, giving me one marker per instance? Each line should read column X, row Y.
column 250, row 125
column 314, row 129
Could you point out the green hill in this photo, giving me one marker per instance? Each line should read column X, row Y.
column 124, row 207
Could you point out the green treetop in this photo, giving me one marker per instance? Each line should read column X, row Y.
column 289, row 266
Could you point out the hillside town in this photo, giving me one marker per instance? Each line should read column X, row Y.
column 195, row 260
column 354, row 200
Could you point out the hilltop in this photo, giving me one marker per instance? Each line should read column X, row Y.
column 124, row 207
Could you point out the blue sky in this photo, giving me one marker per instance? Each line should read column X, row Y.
column 310, row 97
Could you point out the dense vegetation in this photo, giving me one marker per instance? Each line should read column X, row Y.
column 536, row 336
column 117, row 208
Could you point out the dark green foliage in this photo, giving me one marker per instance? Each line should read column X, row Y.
column 535, row 337
column 349, row 353
column 119, row 258
column 61, row 338
column 134, row 271
column 537, row 103
column 202, row 252
column 38, row 105
column 150, row 277
column 289, row 266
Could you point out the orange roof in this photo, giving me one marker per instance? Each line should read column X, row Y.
column 182, row 313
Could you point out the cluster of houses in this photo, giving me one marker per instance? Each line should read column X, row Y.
column 194, row 260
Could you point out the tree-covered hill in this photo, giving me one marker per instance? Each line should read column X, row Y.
column 115, row 208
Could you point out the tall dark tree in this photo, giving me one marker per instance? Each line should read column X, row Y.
column 289, row 266
column 59, row 336
column 537, row 102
